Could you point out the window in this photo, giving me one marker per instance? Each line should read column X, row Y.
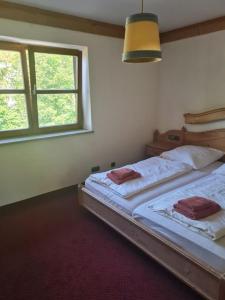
column 40, row 90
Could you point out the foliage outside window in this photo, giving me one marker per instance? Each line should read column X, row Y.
column 40, row 90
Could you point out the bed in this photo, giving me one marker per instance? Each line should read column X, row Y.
column 198, row 267
column 128, row 206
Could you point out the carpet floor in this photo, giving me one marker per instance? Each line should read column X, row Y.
column 51, row 249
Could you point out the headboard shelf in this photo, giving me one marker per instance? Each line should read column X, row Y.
column 212, row 138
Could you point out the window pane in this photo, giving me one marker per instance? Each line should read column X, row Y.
column 55, row 71
column 55, row 110
column 11, row 75
column 13, row 112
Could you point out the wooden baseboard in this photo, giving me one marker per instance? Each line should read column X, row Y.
column 36, row 199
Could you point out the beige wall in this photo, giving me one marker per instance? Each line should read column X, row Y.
column 192, row 78
column 123, row 111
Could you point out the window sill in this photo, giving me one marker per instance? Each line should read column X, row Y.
column 43, row 136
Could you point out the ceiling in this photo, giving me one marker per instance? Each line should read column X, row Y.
column 172, row 13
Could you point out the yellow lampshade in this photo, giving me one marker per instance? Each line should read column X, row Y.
column 142, row 43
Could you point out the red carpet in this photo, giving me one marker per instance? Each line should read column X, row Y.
column 53, row 250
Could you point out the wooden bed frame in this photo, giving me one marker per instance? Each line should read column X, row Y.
column 197, row 274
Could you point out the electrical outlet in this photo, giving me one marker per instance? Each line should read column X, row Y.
column 95, row 169
column 113, row 164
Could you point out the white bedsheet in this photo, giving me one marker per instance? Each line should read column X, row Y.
column 153, row 171
column 128, row 205
column 144, row 212
column 159, row 222
column 211, row 187
column 210, row 252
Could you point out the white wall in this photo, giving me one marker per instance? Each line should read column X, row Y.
column 192, row 78
column 123, row 110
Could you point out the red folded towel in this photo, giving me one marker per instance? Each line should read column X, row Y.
column 196, row 208
column 122, row 173
column 198, row 215
column 196, row 203
column 120, row 181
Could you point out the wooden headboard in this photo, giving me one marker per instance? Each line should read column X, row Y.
column 212, row 138
column 205, row 117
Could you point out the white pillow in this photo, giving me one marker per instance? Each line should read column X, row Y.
column 220, row 170
column 196, row 156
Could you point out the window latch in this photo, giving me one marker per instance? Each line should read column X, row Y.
column 34, row 89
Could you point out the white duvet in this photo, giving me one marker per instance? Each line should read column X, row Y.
column 211, row 187
column 154, row 171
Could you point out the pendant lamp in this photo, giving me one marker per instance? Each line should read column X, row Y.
column 142, row 42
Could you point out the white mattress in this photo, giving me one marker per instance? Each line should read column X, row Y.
column 128, row 205
column 205, row 250
column 153, row 171
column 210, row 251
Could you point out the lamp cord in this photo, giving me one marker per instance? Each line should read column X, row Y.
column 142, row 6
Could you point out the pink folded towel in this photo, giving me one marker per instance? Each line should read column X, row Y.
column 122, row 173
column 116, row 180
column 196, row 208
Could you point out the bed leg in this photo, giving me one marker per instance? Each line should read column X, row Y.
column 80, row 194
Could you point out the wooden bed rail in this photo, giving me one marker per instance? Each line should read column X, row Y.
column 200, row 277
